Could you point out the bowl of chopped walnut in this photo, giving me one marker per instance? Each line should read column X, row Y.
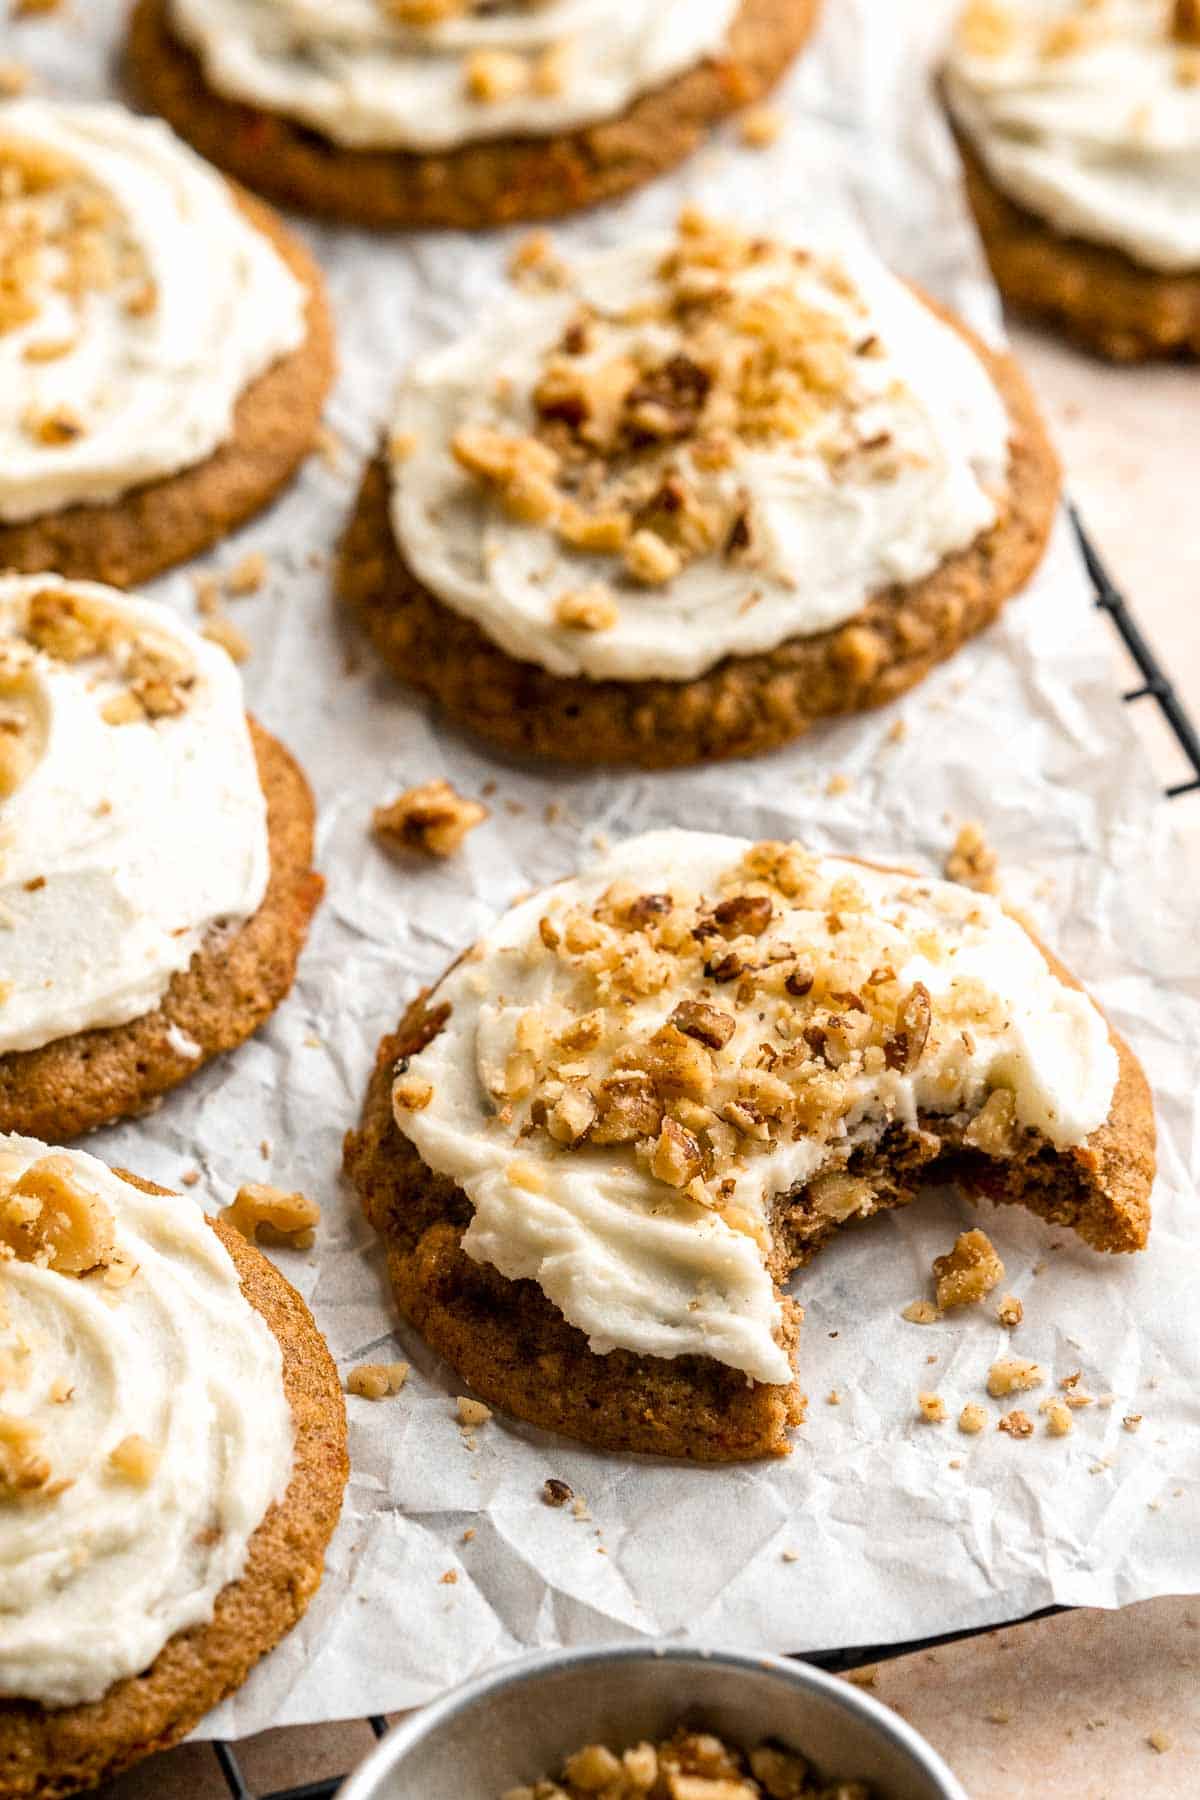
column 654, row 1722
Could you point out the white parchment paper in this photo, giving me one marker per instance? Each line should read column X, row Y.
column 891, row 1528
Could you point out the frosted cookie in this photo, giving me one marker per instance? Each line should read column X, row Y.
column 156, row 877
column 165, row 346
column 172, row 1462
column 1080, row 129
column 455, row 112
column 599, row 1146
column 692, row 496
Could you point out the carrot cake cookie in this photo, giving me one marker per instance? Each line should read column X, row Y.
column 455, row 112
column 156, row 881
column 1080, row 127
column 599, row 1146
column 172, row 1462
column 165, row 346
column 684, row 500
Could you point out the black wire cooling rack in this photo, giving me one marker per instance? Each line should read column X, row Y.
column 1153, row 685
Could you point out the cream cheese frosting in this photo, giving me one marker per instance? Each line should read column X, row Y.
column 132, row 819
column 144, row 1427
column 745, row 442
column 430, row 75
column 636, row 1066
column 136, row 305
column 1089, row 117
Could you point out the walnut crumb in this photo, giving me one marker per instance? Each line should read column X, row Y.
column 588, row 609
column 471, row 1413
column 377, row 1381
column 972, row 861
column 1017, row 1424
column 432, row 818
column 248, row 575
column 223, row 631
column 492, row 76
column 932, row 1408
column 969, row 1272
column 23, row 1468
column 411, row 1093
column 50, row 1218
column 270, row 1214
column 556, row 1492
column 1058, row 1417
column 1013, row 1375
column 449, row 1579
column 1010, row 1312
column 1131, row 1421
column 135, row 1458
column 760, row 127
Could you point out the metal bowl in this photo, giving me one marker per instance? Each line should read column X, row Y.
column 520, row 1722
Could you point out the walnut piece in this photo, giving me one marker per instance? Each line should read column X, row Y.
column 972, row 862
column 136, row 1459
column 691, row 1765
column 23, row 1468
column 271, row 1215
column 49, row 1217
column 1010, row 1311
column 1017, row 1424
column 1013, row 1375
column 969, row 1272
column 377, row 1381
column 433, row 819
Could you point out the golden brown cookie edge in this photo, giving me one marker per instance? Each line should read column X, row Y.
column 46, row 1754
column 1094, row 293
column 480, row 185
column 132, row 539
column 231, row 987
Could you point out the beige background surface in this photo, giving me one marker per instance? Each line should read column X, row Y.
column 1065, row 1709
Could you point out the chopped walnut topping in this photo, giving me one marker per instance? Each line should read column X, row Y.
column 591, row 609
column 972, row 1419
column 491, row 76
column 272, row 1215
column 23, row 1468
column 377, row 1381
column 650, row 560
column 136, row 1459
column 433, row 819
column 49, row 1217
column 969, row 1272
column 471, row 1413
column 1017, row 1424
column 994, row 1130
column 53, row 429
column 412, row 1093
column 1013, row 1375
column 972, row 861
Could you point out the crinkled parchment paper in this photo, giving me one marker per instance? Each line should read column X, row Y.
column 878, row 1526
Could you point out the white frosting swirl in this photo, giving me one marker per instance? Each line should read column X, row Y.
column 122, row 845
column 368, row 80
column 899, row 472
column 143, row 304
column 97, row 1569
column 636, row 1264
column 1089, row 118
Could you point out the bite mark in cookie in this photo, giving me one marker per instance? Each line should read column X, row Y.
column 688, row 1069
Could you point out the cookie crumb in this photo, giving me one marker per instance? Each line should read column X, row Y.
column 790, row 1556
column 1160, row 1741
column 1017, row 1424
column 1131, row 1421
column 273, row 1216
column 190, row 1177
column 432, row 818
column 556, row 1492
column 921, row 1312
column 866, row 1677
column 1010, row 1312
column 248, row 575
column 377, row 1381
column 449, row 1579
column 1058, row 1417
column 838, row 784
column 932, row 1408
